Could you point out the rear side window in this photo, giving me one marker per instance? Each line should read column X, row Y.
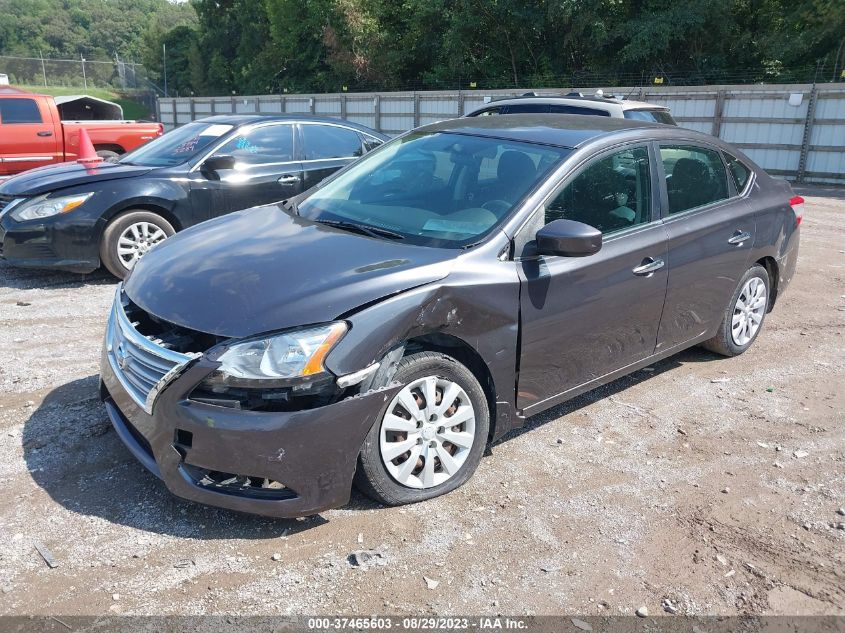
column 330, row 141
column 652, row 116
column 695, row 176
column 523, row 108
column 570, row 109
column 488, row 112
column 739, row 172
column 19, row 111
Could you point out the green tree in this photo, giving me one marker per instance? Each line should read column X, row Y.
column 182, row 47
column 259, row 46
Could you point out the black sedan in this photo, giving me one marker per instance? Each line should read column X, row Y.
column 387, row 325
column 78, row 217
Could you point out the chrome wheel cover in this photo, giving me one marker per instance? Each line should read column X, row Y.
column 136, row 240
column 748, row 311
column 427, row 432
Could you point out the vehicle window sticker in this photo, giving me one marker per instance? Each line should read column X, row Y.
column 187, row 146
column 244, row 144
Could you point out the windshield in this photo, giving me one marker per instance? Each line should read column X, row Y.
column 653, row 116
column 434, row 189
column 178, row 146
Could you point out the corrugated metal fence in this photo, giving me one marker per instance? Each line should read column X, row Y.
column 796, row 131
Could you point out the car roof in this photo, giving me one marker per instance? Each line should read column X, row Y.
column 562, row 130
column 246, row 119
column 625, row 104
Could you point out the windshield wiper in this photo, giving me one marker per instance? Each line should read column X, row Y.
column 364, row 229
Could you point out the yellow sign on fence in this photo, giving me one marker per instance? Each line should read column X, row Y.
column 658, row 80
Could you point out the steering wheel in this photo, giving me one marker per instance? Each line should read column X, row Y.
column 497, row 206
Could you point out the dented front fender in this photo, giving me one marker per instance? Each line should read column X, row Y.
column 477, row 305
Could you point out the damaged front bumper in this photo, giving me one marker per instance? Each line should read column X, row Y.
column 280, row 464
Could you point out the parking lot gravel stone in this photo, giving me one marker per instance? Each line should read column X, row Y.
column 699, row 485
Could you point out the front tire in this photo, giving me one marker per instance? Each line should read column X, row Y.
column 128, row 237
column 744, row 316
column 430, row 438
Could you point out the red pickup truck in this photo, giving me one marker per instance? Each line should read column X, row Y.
column 32, row 133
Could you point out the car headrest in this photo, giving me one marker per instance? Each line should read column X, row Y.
column 689, row 172
column 515, row 166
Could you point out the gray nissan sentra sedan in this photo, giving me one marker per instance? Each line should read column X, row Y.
column 385, row 326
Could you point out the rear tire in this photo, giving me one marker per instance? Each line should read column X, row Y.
column 432, row 465
column 743, row 318
column 128, row 237
column 108, row 155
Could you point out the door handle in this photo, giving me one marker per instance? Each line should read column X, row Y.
column 45, row 133
column 739, row 237
column 649, row 265
column 289, row 179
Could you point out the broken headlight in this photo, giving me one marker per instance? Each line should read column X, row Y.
column 272, row 370
column 278, row 358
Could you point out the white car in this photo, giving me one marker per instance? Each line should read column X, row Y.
column 576, row 103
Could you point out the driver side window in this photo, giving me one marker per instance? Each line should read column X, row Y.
column 611, row 193
column 264, row 144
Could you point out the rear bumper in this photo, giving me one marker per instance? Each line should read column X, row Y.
column 313, row 453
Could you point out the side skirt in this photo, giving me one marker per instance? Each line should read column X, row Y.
column 603, row 380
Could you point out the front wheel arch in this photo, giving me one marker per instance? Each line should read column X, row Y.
column 441, row 343
column 152, row 207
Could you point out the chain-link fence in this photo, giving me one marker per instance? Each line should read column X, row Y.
column 82, row 75
column 775, row 74
column 77, row 73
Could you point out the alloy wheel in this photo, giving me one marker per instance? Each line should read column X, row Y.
column 136, row 240
column 749, row 310
column 427, row 432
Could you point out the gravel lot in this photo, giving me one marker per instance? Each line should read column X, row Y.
column 709, row 483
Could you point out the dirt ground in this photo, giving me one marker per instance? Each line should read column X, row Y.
column 705, row 485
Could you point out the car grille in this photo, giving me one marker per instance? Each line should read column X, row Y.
column 142, row 364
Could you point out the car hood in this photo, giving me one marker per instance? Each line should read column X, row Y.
column 264, row 269
column 45, row 179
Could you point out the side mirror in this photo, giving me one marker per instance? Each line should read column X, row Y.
column 214, row 164
column 568, row 238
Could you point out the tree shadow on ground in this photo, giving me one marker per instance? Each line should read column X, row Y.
column 74, row 454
